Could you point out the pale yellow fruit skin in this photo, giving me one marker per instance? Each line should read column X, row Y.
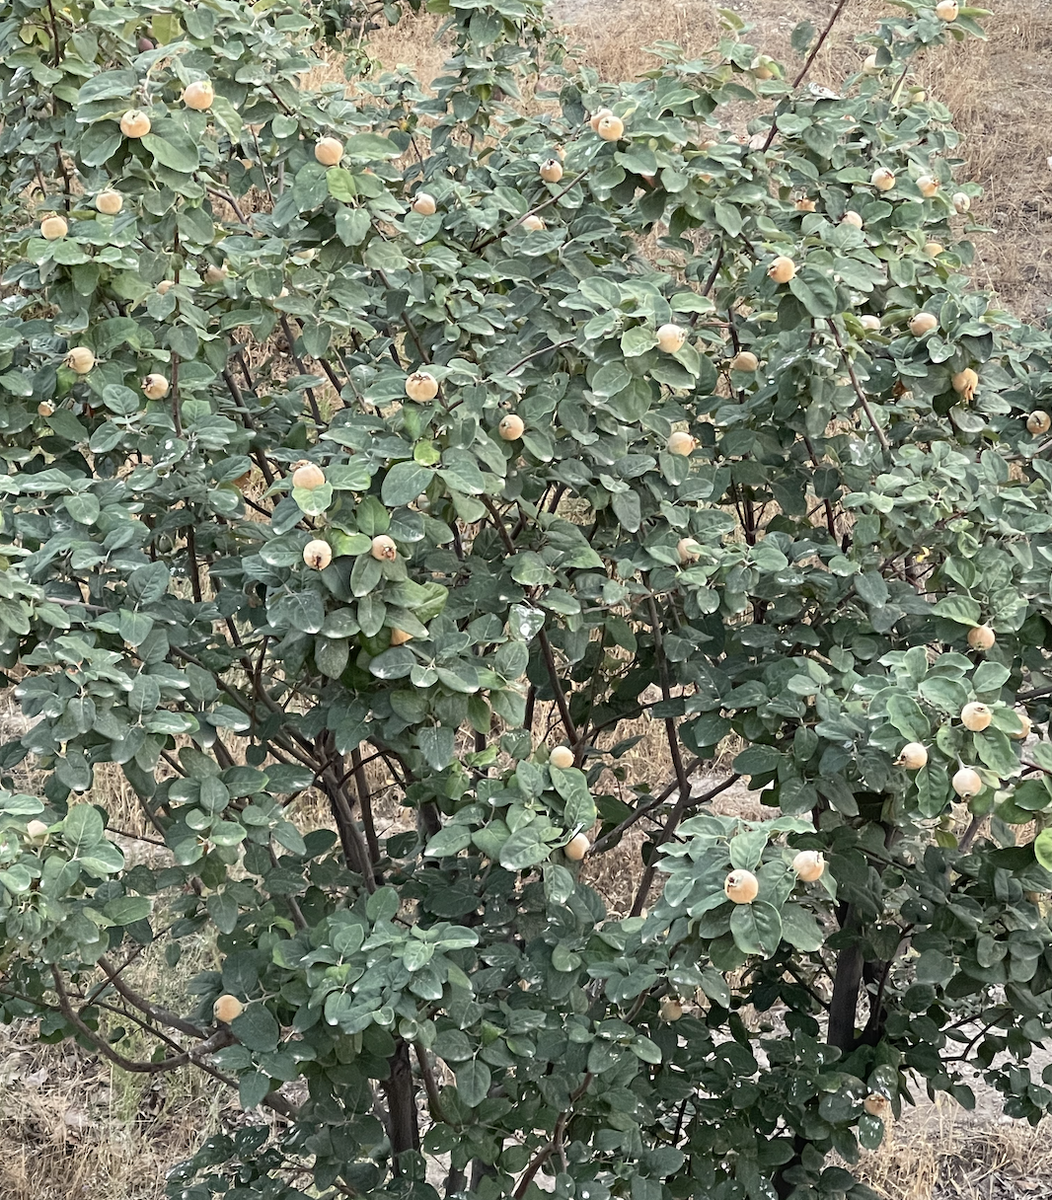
column 199, row 95
column 577, row 847
column 1039, row 422
column 883, row 179
column 155, row 387
column 852, row 218
column 424, row 204
column 383, row 548
column 671, row 338
column 982, row 637
column 421, row 387
column 782, row 269
column 962, row 202
column 135, row 124
column 805, row 205
column 561, row 757
column 913, row 756
column 610, row 128
column 1028, row 725
column 532, row 223
column 869, row 65
column 689, row 550
column 308, row 476
column 745, row 361
column 53, row 228
column 227, row 1008
column 875, row 1104
column 966, row 783
column 317, row 554
column 165, row 286
column 511, row 427
column 399, row 637
column 927, row 186
column 551, row 170
column 870, row 322
column 45, row 409
column 36, row 831
column 965, row 382
column 934, row 249
column 809, row 865
column 947, row 10
column 328, row 151
column 922, row 323
column 670, row 1009
column 109, row 203
column 976, row 717
column 681, row 443
column 741, row 887
column 80, row 359
column 597, row 117
column 214, row 274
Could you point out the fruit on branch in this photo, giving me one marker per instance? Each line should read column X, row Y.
column 532, row 223
column 947, row 10
column 976, row 716
column 135, row 123
column 511, row 427
column 317, row 554
column 966, row 783
column 876, row 1105
column 227, row 1008
column 782, row 269
column 744, row 360
column 561, row 757
column 670, row 338
column 610, row 128
column 869, row 64
column 689, row 550
column 762, row 67
column 805, row 204
column 45, row 409
column 982, row 637
column 927, row 185
column 1039, row 422
column 80, row 359
column 36, row 831
column 328, row 151
column 109, row 202
column 922, row 323
column 421, row 386
column 681, row 443
column 913, row 756
column 965, row 382
column 199, row 95
column 165, row 286
column 154, row 387
column 216, row 274
column 577, row 847
column 1024, row 720
column 383, row 548
column 53, row 228
column 962, row 202
column 852, row 218
column 597, row 116
column 551, row 170
column 883, row 179
column 809, row 865
column 424, row 204
column 934, row 249
column 741, row 887
column 870, row 322
column 670, row 1009
column 308, row 476
column 399, row 637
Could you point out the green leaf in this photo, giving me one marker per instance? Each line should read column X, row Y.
column 756, row 928
column 962, row 609
column 256, row 1028
column 176, row 149
column 579, row 811
column 404, row 482
column 473, row 1082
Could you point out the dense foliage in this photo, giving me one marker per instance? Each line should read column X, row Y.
column 242, row 562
